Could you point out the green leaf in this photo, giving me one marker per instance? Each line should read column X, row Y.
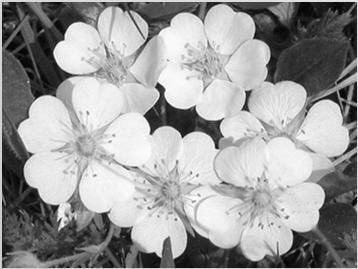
column 256, row 5
column 166, row 10
column 336, row 183
column 314, row 63
column 167, row 255
column 16, row 91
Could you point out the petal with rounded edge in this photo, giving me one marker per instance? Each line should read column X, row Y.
column 322, row 130
column 65, row 89
column 103, row 184
column 183, row 89
column 247, row 66
column 138, row 98
column 150, row 233
column 241, row 165
column 242, row 125
column 321, row 167
column 185, row 31
column 300, row 205
column 48, row 126
column 277, row 104
column 128, row 139
column 286, row 164
column 227, row 30
column 54, row 174
column 81, row 51
column 119, row 32
column 96, row 104
column 220, row 99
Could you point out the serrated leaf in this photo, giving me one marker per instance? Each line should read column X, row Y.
column 336, row 183
column 166, row 10
column 167, row 255
column 314, row 63
column 256, row 5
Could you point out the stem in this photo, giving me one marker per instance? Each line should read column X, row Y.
column 131, row 256
column 112, row 258
column 202, row 9
column 66, row 259
column 329, row 247
column 345, row 156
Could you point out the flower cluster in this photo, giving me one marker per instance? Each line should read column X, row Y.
column 91, row 143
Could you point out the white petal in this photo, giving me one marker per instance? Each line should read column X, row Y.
column 102, row 185
column 125, row 214
column 287, row 165
column 65, row 89
column 46, row 172
column 183, row 89
column 82, row 45
column 96, row 104
column 167, row 148
column 301, row 204
column 241, row 165
column 227, row 30
column 185, row 28
column 242, row 125
column 247, row 66
column 138, row 98
column 151, row 232
column 322, row 130
column 277, row 104
column 128, row 139
column 119, row 31
column 150, row 62
column 48, row 126
column 321, row 167
column 223, row 229
column 221, row 99
column 198, row 157
column 256, row 242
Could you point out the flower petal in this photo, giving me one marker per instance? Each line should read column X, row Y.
column 183, row 89
column 65, row 89
column 321, row 167
column 119, row 32
column 150, row 62
column 223, row 229
column 220, row 99
column 151, row 232
column 185, row 28
column 322, row 130
column 241, row 165
column 81, row 50
column 247, row 66
column 103, row 184
column 138, row 98
column 198, row 157
column 48, row 126
column 277, row 104
column 242, row 125
column 128, row 139
column 287, row 165
column 258, row 241
column 301, row 204
column 96, row 104
column 227, row 30
column 49, row 172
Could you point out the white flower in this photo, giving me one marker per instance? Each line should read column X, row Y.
column 280, row 108
column 83, row 147
column 111, row 53
column 211, row 65
column 265, row 198
column 167, row 190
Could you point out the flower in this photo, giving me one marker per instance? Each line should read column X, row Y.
column 280, row 108
column 84, row 147
column 264, row 200
column 111, row 54
column 168, row 187
column 211, row 65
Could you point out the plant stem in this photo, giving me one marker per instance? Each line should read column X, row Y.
column 329, row 247
column 66, row 259
column 202, row 9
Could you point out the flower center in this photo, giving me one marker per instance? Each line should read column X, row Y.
column 204, row 60
column 171, row 190
column 85, row 145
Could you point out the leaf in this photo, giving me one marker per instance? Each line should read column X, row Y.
column 166, row 10
column 167, row 255
column 285, row 12
column 256, row 5
column 336, row 183
column 314, row 63
column 16, row 91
